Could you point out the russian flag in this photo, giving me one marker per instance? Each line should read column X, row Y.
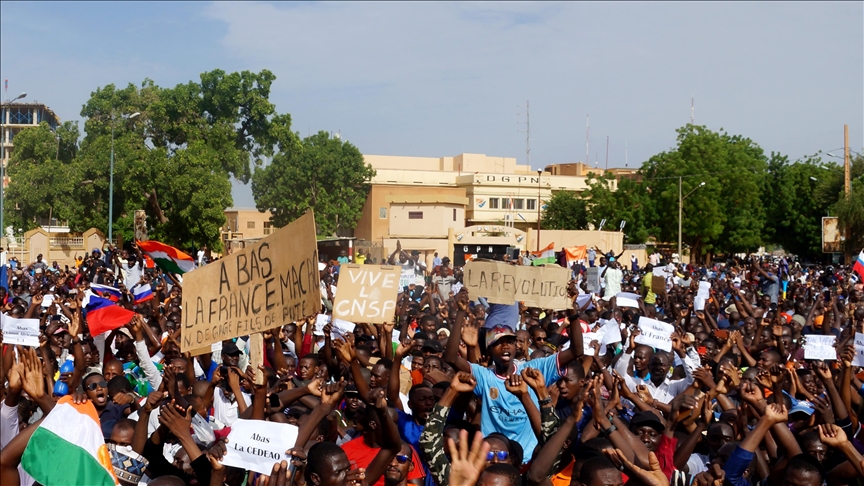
column 110, row 293
column 102, row 315
column 859, row 264
column 142, row 293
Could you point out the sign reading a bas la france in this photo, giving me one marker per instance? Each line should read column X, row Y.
column 501, row 283
column 367, row 293
column 257, row 288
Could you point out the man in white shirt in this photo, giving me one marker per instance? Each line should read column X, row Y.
column 662, row 388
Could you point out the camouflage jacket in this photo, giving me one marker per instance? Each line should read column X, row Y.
column 432, row 439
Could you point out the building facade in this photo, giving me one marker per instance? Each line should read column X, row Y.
column 244, row 225
column 15, row 117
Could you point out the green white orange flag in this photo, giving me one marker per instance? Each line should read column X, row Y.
column 168, row 258
column 68, row 448
column 544, row 256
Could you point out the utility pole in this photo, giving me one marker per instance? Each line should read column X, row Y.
column 527, row 133
column 607, row 152
column 692, row 110
column 587, row 129
column 680, row 213
column 539, row 174
column 846, row 183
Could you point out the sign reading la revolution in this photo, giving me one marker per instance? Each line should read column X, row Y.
column 501, row 283
column 260, row 287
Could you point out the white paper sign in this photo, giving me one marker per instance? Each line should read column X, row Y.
column 47, row 300
column 819, row 346
column 587, row 337
column 627, row 299
column 610, row 331
column 655, row 333
column 858, row 360
column 217, row 346
column 592, row 279
column 20, row 331
column 704, row 290
column 321, row 320
column 257, row 444
column 341, row 328
column 582, row 298
column 699, row 303
column 660, row 272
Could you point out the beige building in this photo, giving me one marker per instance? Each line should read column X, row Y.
column 244, row 224
column 432, row 203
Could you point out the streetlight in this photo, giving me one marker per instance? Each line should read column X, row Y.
column 681, row 212
column 3, row 168
column 814, row 179
column 111, row 183
column 539, row 173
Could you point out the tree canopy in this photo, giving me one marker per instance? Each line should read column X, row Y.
column 323, row 173
column 565, row 211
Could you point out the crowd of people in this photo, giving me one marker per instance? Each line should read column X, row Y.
column 458, row 391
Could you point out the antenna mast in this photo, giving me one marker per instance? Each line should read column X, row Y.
column 626, row 162
column 607, row 152
column 692, row 110
column 527, row 133
column 587, row 129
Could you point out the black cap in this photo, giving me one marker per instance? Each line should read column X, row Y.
column 351, row 390
column 646, row 417
column 435, row 346
column 230, row 348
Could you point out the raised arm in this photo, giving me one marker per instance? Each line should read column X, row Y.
column 451, row 352
column 576, row 349
column 391, row 443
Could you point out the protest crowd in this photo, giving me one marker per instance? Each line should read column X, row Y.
column 747, row 372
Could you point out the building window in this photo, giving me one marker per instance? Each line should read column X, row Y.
column 493, row 203
column 518, row 204
column 415, row 214
column 250, row 224
column 532, row 204
column 454, row 214
column 382, row 213
column 268, row 227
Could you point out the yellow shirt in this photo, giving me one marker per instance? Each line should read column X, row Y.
column 360, row 259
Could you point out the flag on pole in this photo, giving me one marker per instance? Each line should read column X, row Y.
column 859, row 264
column 103, row 315
column 168, row 258
column 110, row 293
column 68, row 447
column 544, row 256
column 575, row 254
column 142, row 293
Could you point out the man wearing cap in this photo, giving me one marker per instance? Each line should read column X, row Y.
column 227, row 396
column 502, row 411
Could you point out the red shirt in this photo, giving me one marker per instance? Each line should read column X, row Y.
column 360, row 455
column 666, row 455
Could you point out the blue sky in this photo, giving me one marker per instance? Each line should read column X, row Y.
column 439, row 79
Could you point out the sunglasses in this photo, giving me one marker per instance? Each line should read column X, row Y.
column 98, row 384
column 502, row 455
column 402, row 459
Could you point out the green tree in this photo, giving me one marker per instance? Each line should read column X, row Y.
column 628, row 203
column 850, row 209
column 724, row 215
column 323, row 173
column 565, row 211
column 176, row 159
column 40, row 170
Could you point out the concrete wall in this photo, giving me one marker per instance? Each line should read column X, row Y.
column 436, row 219
column 56, row 247
column 376, row 219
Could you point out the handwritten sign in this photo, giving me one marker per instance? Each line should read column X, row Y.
column 592, row 279
column 260, row 287
column 500, row 283
column 367, row 293
column 858, row 360
column 655, row 333
column 20, row 331
column 627, row 299
column 257, row 444
column 819, row 346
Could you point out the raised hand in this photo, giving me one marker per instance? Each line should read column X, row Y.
column 331, row 394
column 822, row 370
column 823, row 406
column 832, row 435
column 377, row 398
column 534, row 378
column 345, row 350
column 650, row 477
column 776, row 413
column 316, row 387
column 463, row 382
column 466, row 465
column 751, row 392
column 470, row 332
column 16, row 372
column 170, row 416
column 153, row 400
column 516, row 385
column 33, row 380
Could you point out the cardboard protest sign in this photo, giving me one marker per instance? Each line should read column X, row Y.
column 20, row 331
column 819, row 346
column 655, row 333
column 592, row 279
column 257, row 444
column 858, row 360
column 658, row 285
column 367, row 293
column 259, row 287
column 501, row 283
column 627, row 299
